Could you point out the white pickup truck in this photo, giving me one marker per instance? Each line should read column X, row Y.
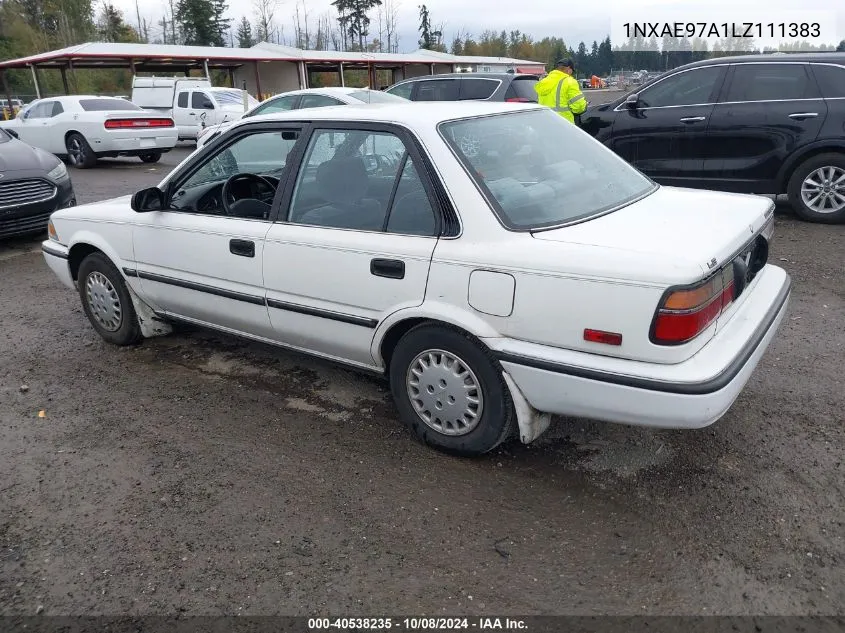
column 192, row 103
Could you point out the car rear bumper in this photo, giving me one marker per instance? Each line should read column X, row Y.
column 56, row 256
column 687, row 395
column 136, row 142
column 33, row 218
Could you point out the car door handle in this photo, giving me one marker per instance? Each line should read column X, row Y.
column 243, row 248
column 803, row 115
column 390, row 268
column 693, row 119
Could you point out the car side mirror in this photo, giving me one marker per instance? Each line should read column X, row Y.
column 632, row 100
column 147, row 200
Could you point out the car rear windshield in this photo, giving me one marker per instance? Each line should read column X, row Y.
column 539, row 171
column 522, row 88
column 374, row 96
column 102, row 105
column 228, row 97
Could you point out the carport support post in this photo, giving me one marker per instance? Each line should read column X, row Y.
column 303, row 75
column 257, row 82
column 232, row 77
column 8, row 93
column 35, row 81
column 340, row 74
column 205, row 68
column 432, row 69
column 63, row 70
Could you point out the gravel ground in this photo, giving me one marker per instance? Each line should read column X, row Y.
column 199, row 474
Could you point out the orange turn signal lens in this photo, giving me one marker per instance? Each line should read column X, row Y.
column 51, row 231
column 694, row 298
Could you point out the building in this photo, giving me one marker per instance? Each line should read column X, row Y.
column 264, row 69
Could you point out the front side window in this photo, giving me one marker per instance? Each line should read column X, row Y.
column 282, row 104
column 374, row 96
column 259, row 158
column 361, row 180
column 200, row 101
column 691, row 87
column 770, row 82
column 515, row 160
column 43, row 110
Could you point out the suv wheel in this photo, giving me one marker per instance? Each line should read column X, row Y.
column 817, row 189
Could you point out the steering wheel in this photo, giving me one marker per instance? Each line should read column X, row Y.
column 229, row 199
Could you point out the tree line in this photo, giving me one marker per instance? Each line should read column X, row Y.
column 33, row 26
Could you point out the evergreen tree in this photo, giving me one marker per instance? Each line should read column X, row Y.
column 354, row 20
column 221, row 23
column 112, row 28
column 196, row 19
column 244, row 34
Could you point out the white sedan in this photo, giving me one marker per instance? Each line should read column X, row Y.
column 307, row 98
column 493, row 288
column 83, row 129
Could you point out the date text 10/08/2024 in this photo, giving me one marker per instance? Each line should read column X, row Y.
column 723, row 30
column 417, row 624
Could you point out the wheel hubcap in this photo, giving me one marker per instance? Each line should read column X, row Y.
column 103, row 301
column 823, row 190
column 75, row 151
column 445, row 392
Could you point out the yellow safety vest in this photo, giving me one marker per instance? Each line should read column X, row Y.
column 561, row 93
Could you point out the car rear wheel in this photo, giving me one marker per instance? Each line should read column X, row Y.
column 450, row 392
column 106, row 301
column 79, row 153
column 817, row 189
column 150, row 157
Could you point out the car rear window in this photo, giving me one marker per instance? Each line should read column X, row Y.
column 831, row 80
column 516, row 162
column 522, row 88
column 102, row 105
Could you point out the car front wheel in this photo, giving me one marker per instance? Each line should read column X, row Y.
column 817, row 189
column 450, row 392
column 106, row 301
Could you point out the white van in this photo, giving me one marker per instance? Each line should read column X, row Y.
column 192, row 103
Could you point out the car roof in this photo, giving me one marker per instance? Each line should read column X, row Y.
column 337, row 90
column 501, row 76
column 411, row 114
column 835, row 58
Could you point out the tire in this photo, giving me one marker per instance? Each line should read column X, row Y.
column 79, row 152
column 825, row 169
column 429, row 349
column 150, row 157
column 107, row 290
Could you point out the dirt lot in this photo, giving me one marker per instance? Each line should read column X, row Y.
column 199, row 474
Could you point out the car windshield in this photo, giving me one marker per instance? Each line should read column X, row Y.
column 374, row 96
column 103, row 105
column 228, row 97
column 538, row 170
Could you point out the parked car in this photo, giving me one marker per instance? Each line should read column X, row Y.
column 192, row 103
column 83, row 129
column 752, row 124
column 307, row 98
column 511, row 87
column 491, row 289
column 33, row 184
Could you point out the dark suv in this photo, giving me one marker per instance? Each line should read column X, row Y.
column 468, row 87
column 764, row 124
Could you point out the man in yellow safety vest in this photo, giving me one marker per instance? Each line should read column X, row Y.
column 560, row 91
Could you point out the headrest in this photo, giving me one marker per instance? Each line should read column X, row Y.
column 343, row 180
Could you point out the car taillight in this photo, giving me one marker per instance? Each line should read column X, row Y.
column 123, row 124
column 518, row 100
column 684, row 313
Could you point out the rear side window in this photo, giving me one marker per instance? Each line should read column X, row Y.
column 103, row 105
column 318, row 101
column 437, row 90
column 831, row 80
column 771, row 82
column 476, row 89
column 183, row 100
column 57, row 108
column 522, row 90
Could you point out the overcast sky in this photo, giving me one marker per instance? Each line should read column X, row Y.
column 573, row 21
